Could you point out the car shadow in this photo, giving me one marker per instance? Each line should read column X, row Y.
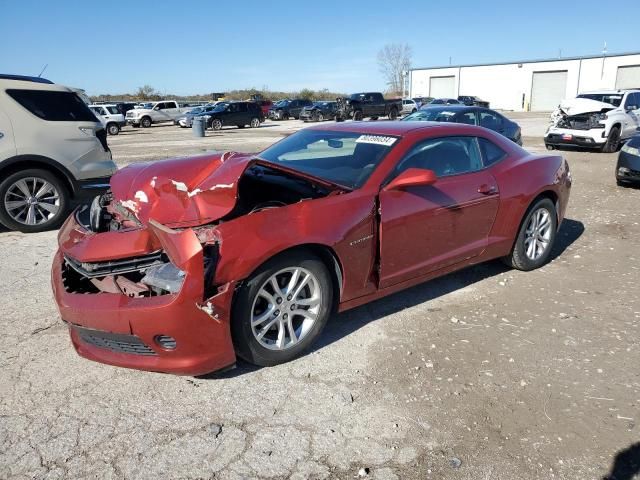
column 626, row 464
column 343, row 324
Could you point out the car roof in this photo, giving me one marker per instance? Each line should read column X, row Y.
column 455, row 106
column 396, row 128
column 24, row 78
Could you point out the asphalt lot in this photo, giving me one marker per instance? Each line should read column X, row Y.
column 487, row 373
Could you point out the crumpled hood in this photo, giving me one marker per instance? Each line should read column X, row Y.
column 576, row 106
column 181, row 192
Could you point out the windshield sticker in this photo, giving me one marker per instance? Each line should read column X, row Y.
column 376, row 140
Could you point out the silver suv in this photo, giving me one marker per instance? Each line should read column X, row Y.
column 53, row 152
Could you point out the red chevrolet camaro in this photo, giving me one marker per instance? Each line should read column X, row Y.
column 186, row 263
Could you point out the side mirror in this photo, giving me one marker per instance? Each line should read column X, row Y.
column 412, row 177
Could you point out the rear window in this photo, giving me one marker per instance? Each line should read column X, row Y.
column 53, row 106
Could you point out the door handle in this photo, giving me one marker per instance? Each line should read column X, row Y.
column 487, row 189
column 1, row 134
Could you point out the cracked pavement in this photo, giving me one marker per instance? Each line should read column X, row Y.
column 485, row 373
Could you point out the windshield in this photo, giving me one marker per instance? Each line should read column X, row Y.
column 221, row 107
column 282, row 103
column 614, row 99
column 196, row 110
column 345, row 158
column 431, row 115
column 356, row 96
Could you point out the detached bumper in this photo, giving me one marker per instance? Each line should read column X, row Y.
column 593, row 138
column 177, row 333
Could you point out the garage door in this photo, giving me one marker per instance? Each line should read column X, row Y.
column 442, row 87
column 547, row 90
column 628, row 77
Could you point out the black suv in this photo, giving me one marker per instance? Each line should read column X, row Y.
column 239, row 114
column 285, row 109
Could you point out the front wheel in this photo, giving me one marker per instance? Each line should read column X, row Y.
column 612, row 142
column 255, row 122
column 113, row 129
column 536, row 236
column 145, row 122
column 281, row 310
column 33, row 200
column 216, row 124
column 357, row 115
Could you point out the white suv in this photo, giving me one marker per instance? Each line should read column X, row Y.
column 602, row 119
column 110, row 117
column 53, row 152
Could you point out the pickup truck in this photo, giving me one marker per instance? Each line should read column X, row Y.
column 601, row 119
column 368, row 104
column 157, row 112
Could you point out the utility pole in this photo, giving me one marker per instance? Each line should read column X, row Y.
column 604, row 54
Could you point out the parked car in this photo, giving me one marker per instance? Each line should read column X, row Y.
column 239, row 114
column 186, row 120
column 628, row 165
column 285, row 109
column 368, row 105
column 110, row 117
column 482, row 117
column 53, row 152
column 444, row 101
column 409, row 106
column 319, row 111
column 601, row 119
column 421, row 101
column 471, row 100
column 265, row 106
column 158, row 112
column 124, row 107
column 229, row 255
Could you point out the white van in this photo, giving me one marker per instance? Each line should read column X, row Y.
column 53, row 152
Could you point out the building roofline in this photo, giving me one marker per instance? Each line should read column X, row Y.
column 540, row 60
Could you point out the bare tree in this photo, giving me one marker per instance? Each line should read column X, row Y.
column 146, row 92
column 393, row 59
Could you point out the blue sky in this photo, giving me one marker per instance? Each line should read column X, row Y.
column 204, row 46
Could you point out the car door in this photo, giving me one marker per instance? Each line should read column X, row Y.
column 490, row 120
column 427, row 228
column 631, row 122
column 7, row 141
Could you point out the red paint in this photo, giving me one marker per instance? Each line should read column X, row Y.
column 424, row 228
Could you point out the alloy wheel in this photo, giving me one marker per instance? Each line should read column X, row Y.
column 32, row 201
column 538, row 234
column 286, row 308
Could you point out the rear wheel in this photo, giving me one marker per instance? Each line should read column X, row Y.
column 255, row 122
column 281, row 310
column 611, row 145
column 393, row 114
column 535, row 238
column 33, row 200
column 113, row 129
column 145, row 122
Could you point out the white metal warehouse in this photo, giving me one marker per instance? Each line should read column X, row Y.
column 533, row 85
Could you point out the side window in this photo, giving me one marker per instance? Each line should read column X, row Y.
column 445, row 156
column 53, row 106
column 490, row 120
column 242, row 107
column 491, row 153
column 162, row 106
column 468, row 118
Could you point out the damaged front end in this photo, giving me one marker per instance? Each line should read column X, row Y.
column 137, row 276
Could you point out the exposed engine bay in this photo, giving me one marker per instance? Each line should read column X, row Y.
column 258, row 188
column 581, row 114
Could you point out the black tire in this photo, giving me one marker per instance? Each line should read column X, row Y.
column 255, row 122
column 145, row 122
column 246, row 344
column 216, row 124
column 374, row 118
column 549, row 146
column 63, row 201
column 414, row 110
column 613, row 141
column 357, row 115
column 518, row 258
column 319, row 117
column 241, row 126
column 393, row 114
column 135, row 125
column 113, row 128
column 283, row 115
